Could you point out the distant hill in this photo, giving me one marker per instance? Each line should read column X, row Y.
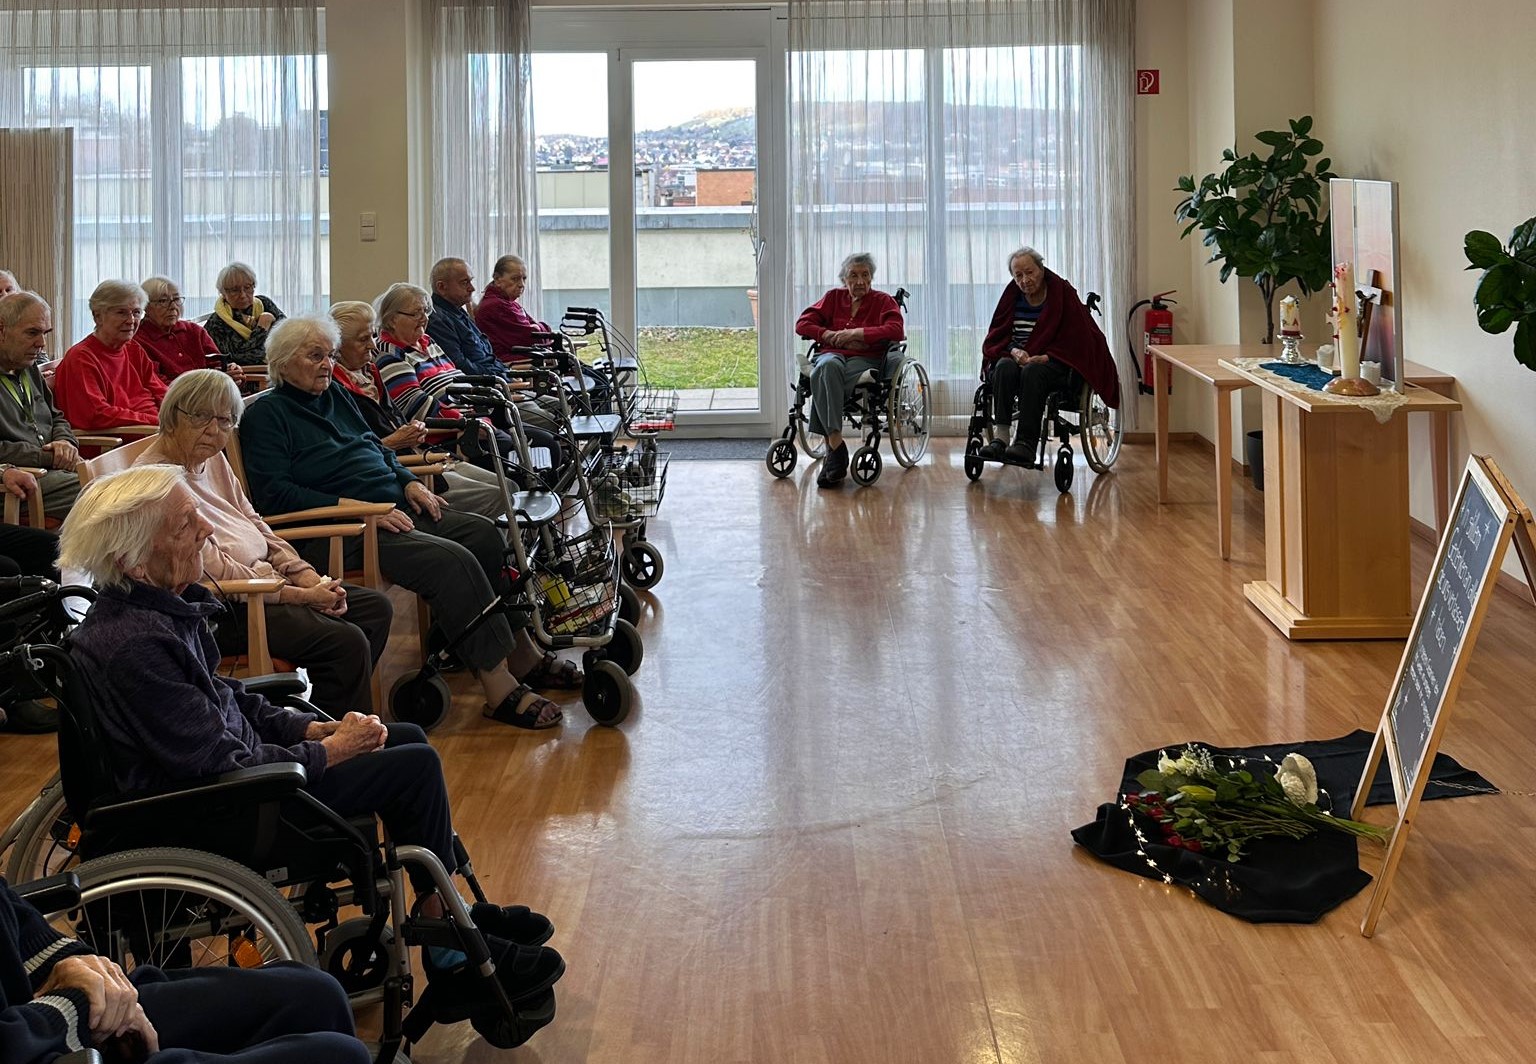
column 732, row 125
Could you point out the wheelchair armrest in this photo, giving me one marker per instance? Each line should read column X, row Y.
column 275, row 686
column 260, row 783
column 51, row 893
column 80, row 1056
column 483, row 378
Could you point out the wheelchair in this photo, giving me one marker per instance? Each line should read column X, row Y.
column 247, row 868
column 1073, row 410
column 896, row 403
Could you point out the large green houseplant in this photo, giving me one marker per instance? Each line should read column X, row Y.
column 1506, row 294
column 1263, row 216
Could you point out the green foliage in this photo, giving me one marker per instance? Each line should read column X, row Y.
column 1263, row 216
column 1506, row 294
column 690, row 358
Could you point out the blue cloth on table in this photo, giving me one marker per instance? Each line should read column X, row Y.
column 1307, row 373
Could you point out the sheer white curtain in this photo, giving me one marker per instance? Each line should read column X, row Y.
column 483, row 182
column 940, row 136
column 198, row 139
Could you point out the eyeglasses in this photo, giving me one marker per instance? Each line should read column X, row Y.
column 168, row 301
column 202, row 420
column 124, row 312
column 414, row 315
column 319, row 358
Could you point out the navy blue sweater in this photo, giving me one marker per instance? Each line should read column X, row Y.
column 151, row 666
column 452, row 329
column 59, row 1021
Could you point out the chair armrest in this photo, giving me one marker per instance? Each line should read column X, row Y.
column 51, row 893
column 264, row 585
column 104, row 442
column 320, row 531
column 432, row 470
column 12, row 509
column 323, row 513
column 410, row 461
column 275, row 685
column 136, row 431
column 252, row 785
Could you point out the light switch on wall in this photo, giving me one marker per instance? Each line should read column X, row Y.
column 368, row 226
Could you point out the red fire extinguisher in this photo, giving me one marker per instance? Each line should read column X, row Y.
column 1157, row 328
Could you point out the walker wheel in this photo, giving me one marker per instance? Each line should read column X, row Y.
column 358, row 961
column 421, row 699
column 607, row 692
column 1064, row 470
column 642, row 565
column 973, row 461
column 629, row 604
column 866, row 466
column 781, row 457
column 625, row 649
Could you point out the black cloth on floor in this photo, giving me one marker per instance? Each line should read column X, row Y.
column 1278, row 880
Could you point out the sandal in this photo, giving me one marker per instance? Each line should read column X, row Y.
column 529, row 716
column 554, row 673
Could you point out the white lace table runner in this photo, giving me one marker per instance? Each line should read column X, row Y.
column 1382, row 405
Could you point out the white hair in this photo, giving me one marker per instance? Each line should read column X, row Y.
column 235, row 271
column 8, row 280
column 115, row 522
column 115, row 293
column 13, row 306
column 292, row 334
column 395, row 298
column 352, row 314
column 858, row 258
column 156, row 286
column 1026, row 250
column 199, row 391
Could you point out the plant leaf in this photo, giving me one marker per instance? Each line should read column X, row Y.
column 1303, row 125
column 1525, row 343
column 1523, row 237
column 1273, row 137
column 1483, row 250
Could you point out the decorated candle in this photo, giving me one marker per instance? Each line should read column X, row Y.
column 1290, row 317
column 1348, row 326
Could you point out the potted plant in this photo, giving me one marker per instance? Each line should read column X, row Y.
column 1506, row 294
column 1263, row 216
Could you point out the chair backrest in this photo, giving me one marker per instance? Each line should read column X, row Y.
column 115, row 460
column 85, row 754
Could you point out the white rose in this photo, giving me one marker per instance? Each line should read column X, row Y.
column 1298, row 779
column 1166, row 764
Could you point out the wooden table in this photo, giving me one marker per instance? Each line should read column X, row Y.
column 1203, row 361
column 1336, row 526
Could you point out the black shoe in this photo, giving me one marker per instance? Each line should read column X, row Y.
column 834, row 467
column 992, row 450
column 1021, row 452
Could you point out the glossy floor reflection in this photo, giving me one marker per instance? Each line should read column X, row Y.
column 837, row 829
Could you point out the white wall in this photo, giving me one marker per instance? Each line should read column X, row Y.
column 1440, row 101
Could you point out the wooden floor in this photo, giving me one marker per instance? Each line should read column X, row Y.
column 837, row 831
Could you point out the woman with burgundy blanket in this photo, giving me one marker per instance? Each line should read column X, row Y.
column 1040, row 333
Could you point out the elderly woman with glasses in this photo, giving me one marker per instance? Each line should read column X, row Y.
column 107, row 379
column 173, row 343
column 242, row 319
column 335, row 631
column 306, row 445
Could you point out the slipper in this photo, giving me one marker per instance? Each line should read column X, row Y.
column 528, row 717
column 527, row 1018
column 515, row 923
column 522, row 971
column 555, row 674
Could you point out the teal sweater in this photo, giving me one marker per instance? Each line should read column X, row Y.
column 305, row 450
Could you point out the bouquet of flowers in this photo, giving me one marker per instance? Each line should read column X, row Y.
column 1204, row 807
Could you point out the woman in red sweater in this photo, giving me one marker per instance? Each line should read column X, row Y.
column 106, row 379
column 173, row 344
column 852, row 327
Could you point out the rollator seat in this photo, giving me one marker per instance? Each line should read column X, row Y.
column 586, row 426
column 535, row 507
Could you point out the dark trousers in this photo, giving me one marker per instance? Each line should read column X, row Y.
column 339, row 653
column 284, row 1013
column 1029, row 386
column 35, row 552
column 402, row 784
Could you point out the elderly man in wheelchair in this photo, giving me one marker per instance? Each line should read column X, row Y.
column 157, row 749
column 856, row 370
column 1045, row 363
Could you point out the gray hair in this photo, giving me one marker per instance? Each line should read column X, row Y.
column 13, row 306
column 235, row 271
column 111, row 294
column 10, row 280
column 115, row 522
column 199, row 391
column 352, row 313
column 291, row 334
column 441, row 267
column 1026, row 250
column 858, row 258
column 505, row 263
column 394, row 299
column 155, row 287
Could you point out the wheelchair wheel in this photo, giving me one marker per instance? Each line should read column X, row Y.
column 421, row 698
column 46, row 838
column 175, row 908
column 1102, row 433
column 357, row 961
column 608, row 693
column 908, row 411
column 813, row 445
column 866, row 466
column 629, row 604
column 973, row 462
column 1064, row 470
column 642, row 565
column 781, row 457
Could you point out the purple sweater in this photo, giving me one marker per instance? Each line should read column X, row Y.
column 151, row 665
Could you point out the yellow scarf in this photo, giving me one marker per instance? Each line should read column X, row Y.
column 227, row 313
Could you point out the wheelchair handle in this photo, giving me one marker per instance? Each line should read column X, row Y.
column 451, row 423
column 24, row 583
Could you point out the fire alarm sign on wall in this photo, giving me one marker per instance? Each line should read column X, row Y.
column 1147, row 82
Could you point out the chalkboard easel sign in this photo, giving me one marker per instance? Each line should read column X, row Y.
column 1487, row 515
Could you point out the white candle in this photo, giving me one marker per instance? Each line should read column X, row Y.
column 1290, row 317
column 1349, row 335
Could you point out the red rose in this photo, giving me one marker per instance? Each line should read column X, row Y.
column 1175, row 840
column 1193, row 845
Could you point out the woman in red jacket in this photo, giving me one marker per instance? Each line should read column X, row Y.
column 852, row 327
column 1040, row 333
column 107, row 379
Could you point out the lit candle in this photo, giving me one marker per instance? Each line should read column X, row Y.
column 1290, row 317
column 1344, row 308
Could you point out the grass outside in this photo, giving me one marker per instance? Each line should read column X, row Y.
column 699, row 358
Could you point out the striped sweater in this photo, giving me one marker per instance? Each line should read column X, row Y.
column 417, row 377
column 36, row 1028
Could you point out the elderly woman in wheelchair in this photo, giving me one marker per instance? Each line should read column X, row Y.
column 147, row 665
column 1043, row 356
